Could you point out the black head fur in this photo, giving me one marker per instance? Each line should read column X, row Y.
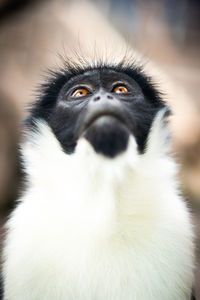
column 65, row 120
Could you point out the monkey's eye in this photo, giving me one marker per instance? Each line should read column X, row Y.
column 120, row 89
column 79, row 93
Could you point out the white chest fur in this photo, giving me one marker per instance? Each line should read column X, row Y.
column 90, row 228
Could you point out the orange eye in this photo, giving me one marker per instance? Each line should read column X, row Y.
column 80, row 93
column 120, row 89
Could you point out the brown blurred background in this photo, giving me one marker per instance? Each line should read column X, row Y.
column 32, row 33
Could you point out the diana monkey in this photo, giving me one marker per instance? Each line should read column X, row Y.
column 101, row 217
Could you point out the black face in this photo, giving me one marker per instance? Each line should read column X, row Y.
column 105, row 105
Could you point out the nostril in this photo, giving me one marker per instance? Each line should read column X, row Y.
column 110, row 97
column 97, row 98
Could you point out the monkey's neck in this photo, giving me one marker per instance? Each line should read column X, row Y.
column 94, row 194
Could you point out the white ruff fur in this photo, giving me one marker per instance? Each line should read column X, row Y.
column 93, row 228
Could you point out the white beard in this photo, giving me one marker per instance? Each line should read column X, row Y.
column 94, row 228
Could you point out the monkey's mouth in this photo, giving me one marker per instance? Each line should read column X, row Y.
column 103, row 115
column 108, row 133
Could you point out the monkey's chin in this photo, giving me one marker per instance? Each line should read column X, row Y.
column 108, row 135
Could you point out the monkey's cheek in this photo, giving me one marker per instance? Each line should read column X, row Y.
column 108, row 136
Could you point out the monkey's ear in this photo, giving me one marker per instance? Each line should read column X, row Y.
column 159, row 139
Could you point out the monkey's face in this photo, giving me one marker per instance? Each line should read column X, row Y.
column 105, row 106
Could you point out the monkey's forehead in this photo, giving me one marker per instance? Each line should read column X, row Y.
column 88, row 69
column 98, row 72
column 101, row 77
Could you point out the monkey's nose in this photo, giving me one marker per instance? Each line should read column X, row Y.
column 105, row 100
column 96, row 98
column 102, row 97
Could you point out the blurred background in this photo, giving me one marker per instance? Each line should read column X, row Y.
column 32, row 33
